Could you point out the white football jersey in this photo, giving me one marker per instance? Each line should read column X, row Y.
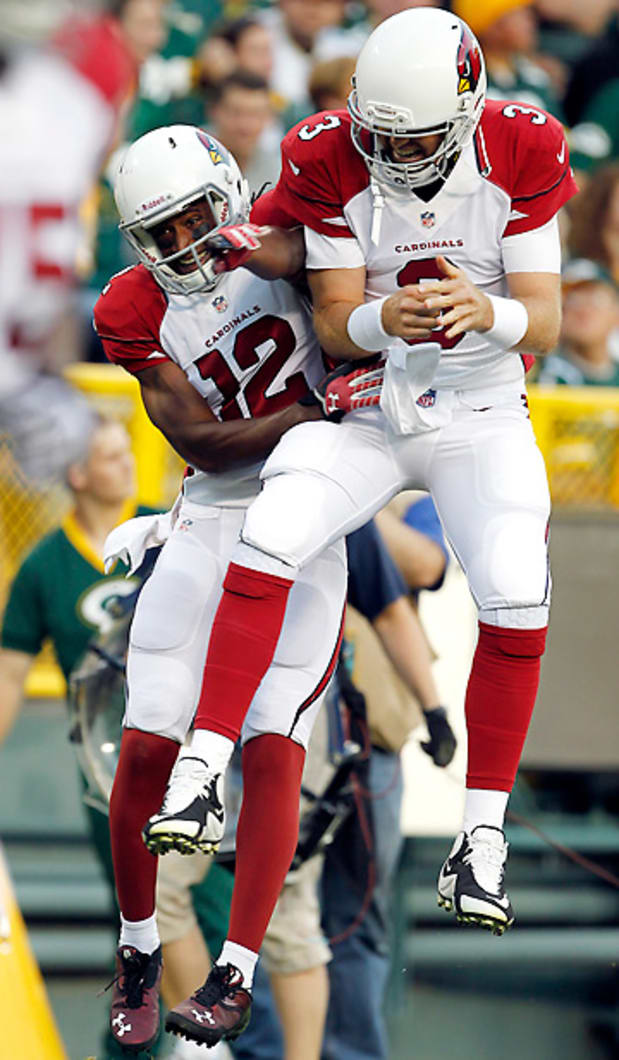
column 247, row 346
column 511, row 179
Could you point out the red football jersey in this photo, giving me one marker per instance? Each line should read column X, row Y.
column 512, row 178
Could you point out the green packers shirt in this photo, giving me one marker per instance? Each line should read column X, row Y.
column 60, row 592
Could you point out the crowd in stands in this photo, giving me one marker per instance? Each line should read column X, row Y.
column 247, row 71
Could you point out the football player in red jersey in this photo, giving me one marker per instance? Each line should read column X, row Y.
column 222, row 361
column 432, row 236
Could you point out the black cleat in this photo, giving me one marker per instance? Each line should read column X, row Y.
column 471, row 880
column 134, row 1015
column 218, row 1010
column 191, row 817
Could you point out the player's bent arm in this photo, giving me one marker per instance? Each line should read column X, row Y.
column 271, row 253
column 183, row 416
column 281, row 254
column 540, row 293
column 402, row 636
column 420, row 560
column 529, row 319
column 335, row 293
column 14, row 667
column 347, row 326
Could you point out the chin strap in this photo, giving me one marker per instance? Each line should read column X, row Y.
column 378, row 205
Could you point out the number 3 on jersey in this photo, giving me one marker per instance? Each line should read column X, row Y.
column 415, row 272
column 309, row 132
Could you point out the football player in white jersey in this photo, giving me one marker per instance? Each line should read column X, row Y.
column 222, row 361
column 432, row 236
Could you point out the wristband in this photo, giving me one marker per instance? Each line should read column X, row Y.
column 365, row 326
column 511, row 321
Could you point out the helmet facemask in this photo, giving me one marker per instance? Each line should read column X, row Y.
column 375, row 150
column 421, row 73
column 142, row 237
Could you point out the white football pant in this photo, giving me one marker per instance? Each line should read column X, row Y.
column 172, row 623
column 483, row 469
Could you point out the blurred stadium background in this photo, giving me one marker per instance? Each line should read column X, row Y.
column 548, row 989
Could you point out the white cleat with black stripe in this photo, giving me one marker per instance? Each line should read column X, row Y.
column 192, row 816
column 471, row 881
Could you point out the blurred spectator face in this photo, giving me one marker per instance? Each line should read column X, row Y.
column 330, row 83
column 515, row 31
column 588, row 17
column 107, row 475
column 306, row 18
column 612, row 213
column 382, row 9
column 590, row 314
column 143, row 27
column 239, row 119
column 254, row 51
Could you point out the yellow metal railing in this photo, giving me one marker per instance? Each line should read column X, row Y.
column 577, row 429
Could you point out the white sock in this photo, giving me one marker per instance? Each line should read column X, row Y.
column 142, row 934
column 242, row 958
column 484, row 807
column 214, row 749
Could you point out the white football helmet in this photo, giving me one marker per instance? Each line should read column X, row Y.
column 160, row 175
column 421, row 72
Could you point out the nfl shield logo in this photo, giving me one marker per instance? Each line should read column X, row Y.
column 426, row 401
column 220, row 303
column 428, row 219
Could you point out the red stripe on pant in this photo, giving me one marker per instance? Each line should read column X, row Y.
column 499, row 703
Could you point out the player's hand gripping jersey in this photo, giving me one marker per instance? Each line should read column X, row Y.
column 512, row 179
column 247, row 347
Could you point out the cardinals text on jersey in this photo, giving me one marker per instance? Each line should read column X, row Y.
column 247, row 347
column 512, row 178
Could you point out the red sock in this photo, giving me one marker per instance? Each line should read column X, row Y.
column 144, row 766
column 243, row 642
column 499, row 703
column 267, row 834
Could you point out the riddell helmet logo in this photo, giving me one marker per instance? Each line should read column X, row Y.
column 152, row 203
column 468, row 62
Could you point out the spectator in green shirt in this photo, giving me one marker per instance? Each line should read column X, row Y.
column 590, row 317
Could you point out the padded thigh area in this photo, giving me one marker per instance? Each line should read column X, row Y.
column 173, row 619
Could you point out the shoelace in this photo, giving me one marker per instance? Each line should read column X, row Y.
column 493, row 859
column 134, row 981
column 188, row 772
column 223, row 980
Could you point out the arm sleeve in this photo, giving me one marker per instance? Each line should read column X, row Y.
column 374, row 581
column 23, row 625
column 327, row 252
column 536, row 251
